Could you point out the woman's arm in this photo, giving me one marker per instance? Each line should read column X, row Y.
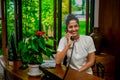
column 61, row 55
column 91, row 60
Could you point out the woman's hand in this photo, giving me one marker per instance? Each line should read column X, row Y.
column 68, row 36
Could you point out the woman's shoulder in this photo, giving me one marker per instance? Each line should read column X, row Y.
column 63, row 39
column 85, row 36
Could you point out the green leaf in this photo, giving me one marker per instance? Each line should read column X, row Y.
column 40, row 59
column 41, row 42
column 49, row 52
column 34, row 46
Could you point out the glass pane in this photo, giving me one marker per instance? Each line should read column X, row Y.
column 10, row 18
column 79, row 9
column 65, row 12
column 48, row 19
column 91, row 10
column 30, row 16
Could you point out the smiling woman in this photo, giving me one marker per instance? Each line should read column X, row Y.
column 80, row 56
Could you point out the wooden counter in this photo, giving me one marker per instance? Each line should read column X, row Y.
column 14, row 73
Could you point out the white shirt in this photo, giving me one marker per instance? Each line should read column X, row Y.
column 82, row 47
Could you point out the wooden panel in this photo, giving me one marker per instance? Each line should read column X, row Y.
column 109, row 22
column 3, row 28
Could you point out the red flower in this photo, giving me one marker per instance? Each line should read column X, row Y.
column 39, row 33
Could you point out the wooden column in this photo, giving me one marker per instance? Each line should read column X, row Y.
column 4, row 29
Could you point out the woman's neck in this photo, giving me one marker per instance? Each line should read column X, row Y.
column 77, row 37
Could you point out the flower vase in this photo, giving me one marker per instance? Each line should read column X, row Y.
column 98, row 39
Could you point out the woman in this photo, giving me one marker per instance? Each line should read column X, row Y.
column 83, row 56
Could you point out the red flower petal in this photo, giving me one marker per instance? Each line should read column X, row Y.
column 39, row 33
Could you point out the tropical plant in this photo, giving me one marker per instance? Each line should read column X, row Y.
column 32, row 48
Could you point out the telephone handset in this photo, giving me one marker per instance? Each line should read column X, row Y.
column 72, row 38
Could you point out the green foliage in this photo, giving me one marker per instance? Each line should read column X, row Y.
column 47, row 12
column 82, row 27
column 32, row 48
column 30, row 16
column 10, row 17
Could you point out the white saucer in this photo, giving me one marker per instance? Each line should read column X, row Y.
column 38, row 74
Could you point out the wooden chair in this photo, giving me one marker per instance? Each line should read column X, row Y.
column 98, row 69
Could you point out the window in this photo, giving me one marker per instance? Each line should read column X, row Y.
column 46, row 15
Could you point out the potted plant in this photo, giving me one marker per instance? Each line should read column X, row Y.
column 33, row 48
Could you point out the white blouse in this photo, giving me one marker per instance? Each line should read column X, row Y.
column 82, row 47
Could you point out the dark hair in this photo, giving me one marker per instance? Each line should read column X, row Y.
column 71, row 17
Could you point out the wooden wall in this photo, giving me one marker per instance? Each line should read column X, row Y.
column 109, row 23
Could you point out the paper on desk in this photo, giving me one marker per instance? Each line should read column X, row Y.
column 48, row 64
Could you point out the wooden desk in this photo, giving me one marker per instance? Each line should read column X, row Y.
column 59, row 70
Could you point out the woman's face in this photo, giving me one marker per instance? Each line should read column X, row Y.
column 73, row 28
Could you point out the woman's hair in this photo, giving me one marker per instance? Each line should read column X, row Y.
column 71, row 17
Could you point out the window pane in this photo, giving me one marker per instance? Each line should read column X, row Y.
column 10, row 18
column 65, row 12
column 79, row 9
column 48, row 19
column 30, row 16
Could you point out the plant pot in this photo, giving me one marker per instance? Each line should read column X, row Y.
column 34, row 70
